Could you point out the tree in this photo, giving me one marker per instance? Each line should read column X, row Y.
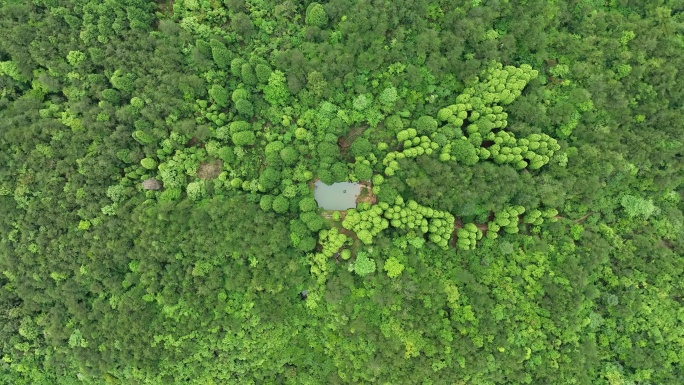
column 245, row 108
column 361, row 102
column 360, row 147
column 280, row 204
column 272, row 152
column 327, row 150
column 340, row 172
column 149, row 163
column 276, row 92
column 247, row 74
column 220, row 53
column 394, row 124
column 316, row 16
column 219, row 95
column 263, row 72
column 266, row 202
column 269, row 179
column 312, row 220
column 393, row 267
column 464, row 152
column 111, row 96
column 308, row 204
column 388, row 97
column 316, row 83
column 242, row 24
column 426, row 125
column 289, row 155
column 196, row 190
column 243, row 138
column 325, row 176
column 363, row 264
column 635, row 206
column 363, row 171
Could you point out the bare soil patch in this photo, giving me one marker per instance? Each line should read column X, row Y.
column 345, row 141
column 366, row 194
column 209, row 170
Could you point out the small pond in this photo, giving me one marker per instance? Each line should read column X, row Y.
column 337, row 196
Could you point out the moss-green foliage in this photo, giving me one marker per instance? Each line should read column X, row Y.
column 393, row 267
column 315, row 15
column 158, row 160
column 363, row 265
column 366, row 221
column 220, row 54
column 243, row 138
column 280, row 204
column 413, row 146
column 468, row 236
column 219, row 95
column 414, row 217
column 308, row 204
column 148, row 163
column 637, row 207
column 331, row 241
column 276, row 92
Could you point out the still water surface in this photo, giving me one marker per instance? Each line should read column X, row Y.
column 337, row 196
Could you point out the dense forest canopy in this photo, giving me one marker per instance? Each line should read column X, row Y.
column 520, row 219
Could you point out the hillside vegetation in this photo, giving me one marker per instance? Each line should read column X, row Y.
column 523, row 223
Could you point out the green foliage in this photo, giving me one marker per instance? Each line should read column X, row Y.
column 637, row 207
column 361, row 147
column 426, row 125
column 462, row 151
column 315, row 15
column 149, row 163
column 316, row 83
column 111, row 96
column 220, row 53
column 339, row 172
column 142, row 137
column 363, row 265
column 468, row 236
column 393, row 267
column 308, row 204
column 219, row 95
column 196, row 190
column 280, row 204
column 266, row 202
column 361, row 102
column 243, row 138
column 312, row 220
column 289, row 155
column 276, row 92
column 122, row 81
column 263, row 72
column 269, row 179
column 388, row 97
column 247, row 74
column 365, row 222
column 244, row 107
column 571, row 164
column 363, row 171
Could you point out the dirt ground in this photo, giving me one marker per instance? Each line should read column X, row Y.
column 209, row 170
column 366, row 194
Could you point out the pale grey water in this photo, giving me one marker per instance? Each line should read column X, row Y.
column 337, row 196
